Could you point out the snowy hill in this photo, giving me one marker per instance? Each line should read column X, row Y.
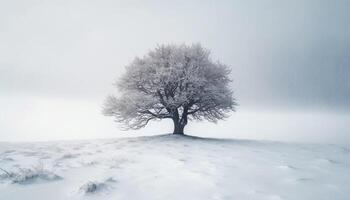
column 173, row 167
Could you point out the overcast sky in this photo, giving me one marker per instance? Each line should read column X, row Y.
column 290, row 64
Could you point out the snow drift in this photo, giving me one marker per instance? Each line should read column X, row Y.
column 174, row 167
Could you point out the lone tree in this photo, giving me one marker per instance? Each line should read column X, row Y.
column 176, row 82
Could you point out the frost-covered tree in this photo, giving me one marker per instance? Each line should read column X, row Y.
column 176, row 82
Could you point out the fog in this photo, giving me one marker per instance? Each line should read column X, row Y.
column 290, row 64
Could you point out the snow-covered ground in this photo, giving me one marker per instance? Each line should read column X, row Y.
column 173, row 167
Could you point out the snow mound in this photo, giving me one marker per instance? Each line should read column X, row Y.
column 174, row 168
column 29, row 175
column 95, row 186
column 91, row 187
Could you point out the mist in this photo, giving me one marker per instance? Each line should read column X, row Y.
column 290, row 64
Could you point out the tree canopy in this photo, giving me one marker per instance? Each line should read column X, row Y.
column 176, row 82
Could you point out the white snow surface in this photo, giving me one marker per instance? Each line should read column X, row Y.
column 173, row 167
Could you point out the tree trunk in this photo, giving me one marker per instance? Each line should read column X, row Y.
column 178, row 128
column 180, row 123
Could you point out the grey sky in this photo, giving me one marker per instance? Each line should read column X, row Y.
column 286, row 56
